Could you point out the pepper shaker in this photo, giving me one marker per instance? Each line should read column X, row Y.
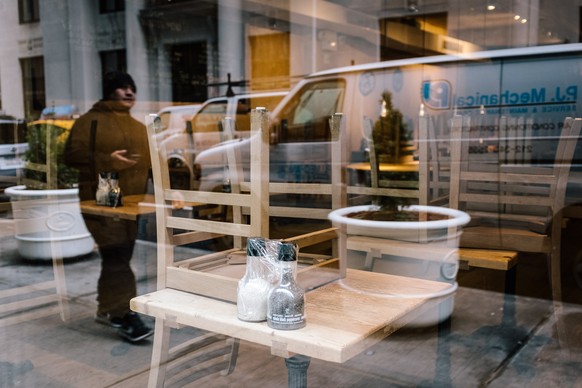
column 286, row 302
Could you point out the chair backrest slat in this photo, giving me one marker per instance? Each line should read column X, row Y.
column 177, row 226
column 509, row 183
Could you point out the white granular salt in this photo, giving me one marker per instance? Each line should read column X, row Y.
column 252, row 300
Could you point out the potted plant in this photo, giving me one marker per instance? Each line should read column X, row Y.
column 394, row 236
column 46, row 207
column 414, row 241
column 390, row 134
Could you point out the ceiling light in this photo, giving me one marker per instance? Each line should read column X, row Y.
column 490, row 7
column 517, row 17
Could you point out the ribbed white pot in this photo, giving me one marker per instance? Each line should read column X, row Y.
column 48, row 223
column 429, row 250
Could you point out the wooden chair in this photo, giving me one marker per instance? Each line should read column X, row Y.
column 174, row 229
column 306, row 201
column 430, row 188
column 514, row 204
column 213, row 274
column 437, row 174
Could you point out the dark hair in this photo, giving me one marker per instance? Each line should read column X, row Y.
column 114, row 80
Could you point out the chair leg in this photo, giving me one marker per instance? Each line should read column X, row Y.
column 60, row 284
column 554, row 259
column 160, row 350
column 509, row 317
column 233, row 357
column 511, row 280
column 60, row 281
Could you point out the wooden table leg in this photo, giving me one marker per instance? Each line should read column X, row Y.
column 443, row 356
column 297, row 371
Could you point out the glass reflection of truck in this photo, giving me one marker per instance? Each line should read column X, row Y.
column 541, row 85
column 203, row 130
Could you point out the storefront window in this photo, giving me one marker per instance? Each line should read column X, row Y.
column 462, row 113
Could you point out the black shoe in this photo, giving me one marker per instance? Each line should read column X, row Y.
column 108, row 320
column 133, row 329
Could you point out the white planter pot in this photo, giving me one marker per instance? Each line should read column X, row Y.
column 48, row 222
column 425, row 250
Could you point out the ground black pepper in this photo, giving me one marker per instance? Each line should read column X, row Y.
column 286, row 301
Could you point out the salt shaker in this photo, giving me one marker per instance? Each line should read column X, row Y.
column 253, row 287
column 103, row 188
column 286, row 302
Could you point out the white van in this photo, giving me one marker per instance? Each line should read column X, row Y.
column 539, row 84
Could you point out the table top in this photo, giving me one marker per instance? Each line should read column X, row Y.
column 133, row 207
column 411, row 166
column 343, row 318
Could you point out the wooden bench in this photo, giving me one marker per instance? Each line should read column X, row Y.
column 492, row 259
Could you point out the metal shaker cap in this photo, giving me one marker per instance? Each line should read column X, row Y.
column 255, row 246
column 287, row 252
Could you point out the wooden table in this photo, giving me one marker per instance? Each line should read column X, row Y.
column 133, row 207
column 343, row 318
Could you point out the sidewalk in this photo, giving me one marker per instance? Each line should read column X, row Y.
column 490, row 344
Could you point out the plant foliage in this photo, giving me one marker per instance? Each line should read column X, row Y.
column 63, row 177
column 391, row 135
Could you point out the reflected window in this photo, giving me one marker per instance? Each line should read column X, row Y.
column 107, row 6
column 189, row 72
column 28, row 11
column 33, row 86
column 113, row 60
column 208, row 119
column 412, row 36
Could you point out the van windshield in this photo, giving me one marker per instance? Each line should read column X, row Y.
column 305, row 118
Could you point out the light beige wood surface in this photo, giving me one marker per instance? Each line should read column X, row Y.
column 133, row 207
column 489, row 258
column 343, row 318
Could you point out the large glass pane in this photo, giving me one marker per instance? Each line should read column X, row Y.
column 468, row 107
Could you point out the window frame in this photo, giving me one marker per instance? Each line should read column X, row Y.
column 28, row 11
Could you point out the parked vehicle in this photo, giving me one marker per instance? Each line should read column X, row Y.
column 13, row 145
column 204, row 130
column 538, row 86
column 174, row 118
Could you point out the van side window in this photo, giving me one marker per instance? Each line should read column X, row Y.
column 305, row 118
column 245, row 105
column 243, row 115
column 209, row 118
